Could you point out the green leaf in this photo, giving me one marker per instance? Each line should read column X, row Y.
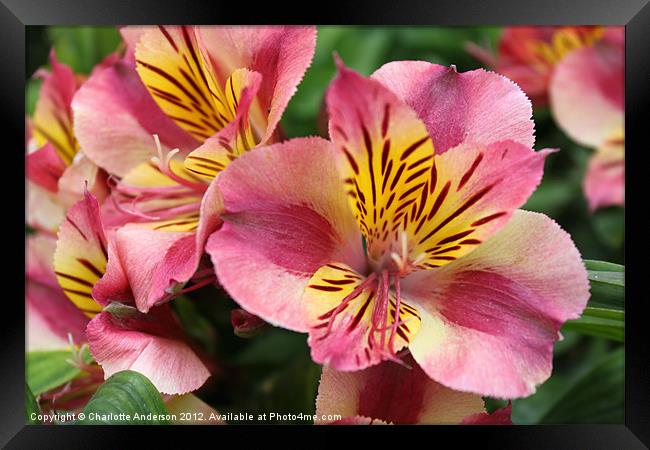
column 607, row 284
column 49, row 369
column 595, row 397
column 126, row 398
column 31, row 407
column 601, row 322
column 605, row 315
column 83, row 47
column 569, row 367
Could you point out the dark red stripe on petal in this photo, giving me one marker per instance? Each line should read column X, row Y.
column 337, row 282
column 325, row 288
column 487, row 219
column 441, row 198
column 413, row 147
column 455, row 237
column 470, row 171
column 168, row 37
column 351, row 160
column 90, row 266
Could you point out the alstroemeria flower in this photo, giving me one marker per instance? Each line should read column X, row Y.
column 587, row 102
column 104, row 287
column 374, row 243
column 186, row 84
column 391, row 393
column 55, row 168
column 529, row 55
column 214, row 91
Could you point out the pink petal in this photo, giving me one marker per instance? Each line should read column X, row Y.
column 604, row 184
column 45, row 167
column 281, row 54
column 82, row 175
column 38, row 260
column 475, row 106
column 141, row 251
column 586, row 93
column 115, row 118
column 393, row 393
column 490, row 319
column 44, row 213
column 286, row 215
column 114, row 285
column 152, row 344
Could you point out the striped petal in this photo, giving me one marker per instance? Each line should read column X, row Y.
column 490, row 319
column 115, row 118
column 174, row 70
column 388, row 157
column 586, row 93
column 232, row 141
column 476, row 106
column 81, row 255
column 52, row 121
column 351, row 318
column 394, row 394
column 281, row 54
column 280, row 226
column 472, row 193
column 152, row 344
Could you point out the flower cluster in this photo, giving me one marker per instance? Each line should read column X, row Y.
column 397, row 245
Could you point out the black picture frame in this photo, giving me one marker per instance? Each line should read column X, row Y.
column 15, row 15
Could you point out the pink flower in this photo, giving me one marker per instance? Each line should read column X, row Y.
column 90, row 272
column 372, row 244
column 210, row 93
column 529, row 55
column 587, row 101
column 391, row 393
column 221, row 89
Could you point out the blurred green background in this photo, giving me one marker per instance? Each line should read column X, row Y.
column 273, row 372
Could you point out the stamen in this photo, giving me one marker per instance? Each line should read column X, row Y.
column 352, row 295
column 164, row 164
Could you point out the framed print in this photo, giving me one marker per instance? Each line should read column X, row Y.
column 399, row 218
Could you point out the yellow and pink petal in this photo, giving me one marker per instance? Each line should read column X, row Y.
column 281, row 54
column 52, row 121
column 81, row 253
column 286, row 215
column 490, row 319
